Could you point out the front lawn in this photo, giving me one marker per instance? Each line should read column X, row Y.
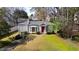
column 54, row 42
column 48, row 43
column 6, row 37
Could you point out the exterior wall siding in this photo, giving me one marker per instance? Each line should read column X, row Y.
column 29, row 29
column 23, row 28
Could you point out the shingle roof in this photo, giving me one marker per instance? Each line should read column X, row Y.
column 23, row 24
column 38, row 22
column 34, row 23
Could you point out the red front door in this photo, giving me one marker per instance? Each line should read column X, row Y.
column 42, row 29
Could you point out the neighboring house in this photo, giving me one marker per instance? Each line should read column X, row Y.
column 75, row 29
column 33, row 26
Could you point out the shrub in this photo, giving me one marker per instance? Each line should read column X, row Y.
column 38, row 33
column 49, row 29
column 26, row 33
column 75, row 37
column 1, row 45
column 18, row 37
column 4, row 43
column 30, row 37
column 49, row 32
column 56, row 26
column 61, row 33
column 53, row 32
column 12, row 38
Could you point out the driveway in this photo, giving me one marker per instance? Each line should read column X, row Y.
column 46, row 42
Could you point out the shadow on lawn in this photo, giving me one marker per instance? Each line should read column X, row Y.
column 17, row 42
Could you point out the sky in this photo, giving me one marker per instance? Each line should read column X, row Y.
column 27, row 9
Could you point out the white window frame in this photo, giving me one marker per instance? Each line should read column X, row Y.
column 31, row 29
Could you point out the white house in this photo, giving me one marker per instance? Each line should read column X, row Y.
column 33, row 26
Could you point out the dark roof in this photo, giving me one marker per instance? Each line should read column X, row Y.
column 23, row 23
column 34, row 22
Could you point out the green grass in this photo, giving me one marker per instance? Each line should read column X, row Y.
column 48, row 43
column 53, row 42
column 6, row 35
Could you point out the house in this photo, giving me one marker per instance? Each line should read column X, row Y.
column 33, row 26
column 75, row 29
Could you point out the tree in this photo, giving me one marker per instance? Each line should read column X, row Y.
column 4, row 27
column 56, row 26
column 43, row 12
column 20, row 14
column 67, row 15
column 40, row 12
column 9, row 15
column 50, row 28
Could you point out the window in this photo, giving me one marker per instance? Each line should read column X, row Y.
column 33, row 29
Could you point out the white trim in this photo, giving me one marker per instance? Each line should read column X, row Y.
column 30, row 29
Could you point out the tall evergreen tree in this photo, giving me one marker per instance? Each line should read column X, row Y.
column 4, row 27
